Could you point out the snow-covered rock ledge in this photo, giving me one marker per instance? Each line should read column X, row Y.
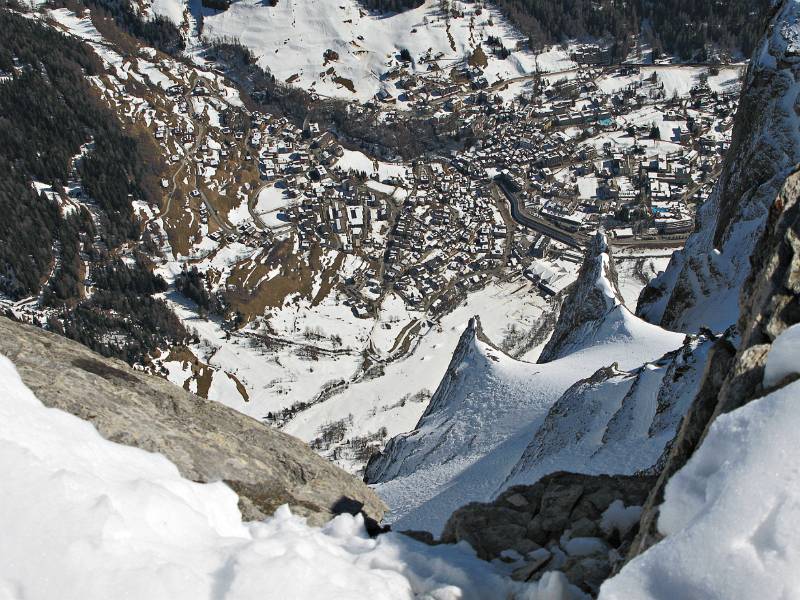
column 731, row 516
column 82, row 518
column 206, row 440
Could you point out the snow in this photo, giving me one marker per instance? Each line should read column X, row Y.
column 171, row 10
column 292, row 37
column 358, row 161
column 239, row 214
column 783, row 358
column 677, row 79
column 484, row 414
column 620, row 517
column 731, row 515
column 387, row 401
column 616, row 422
column 271, row 205
column 85, row 518
column 634, row 272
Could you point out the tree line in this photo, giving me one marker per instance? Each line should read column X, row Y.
column 678, row 27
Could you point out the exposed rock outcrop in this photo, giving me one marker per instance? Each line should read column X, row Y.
column 589, row 299
column 702, row 282
column 769, row 304
column 206, row 440
column 577, row 524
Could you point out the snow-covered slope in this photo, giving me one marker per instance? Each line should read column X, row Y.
column 84, row 518
column 701, row 285
column 292, row 38
column 731, row 515
column 616, row 422
column 489, row 405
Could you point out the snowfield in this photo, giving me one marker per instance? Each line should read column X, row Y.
column 731, row 516
column 106, row 521
column 292, row 38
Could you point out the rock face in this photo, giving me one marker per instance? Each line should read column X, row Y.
column 206, row 440
column 702, row 282
column 590, row 298
column 577, row 524
column 769, row 304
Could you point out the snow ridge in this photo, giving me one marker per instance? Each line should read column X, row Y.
column 616, row 422
column 488, row 406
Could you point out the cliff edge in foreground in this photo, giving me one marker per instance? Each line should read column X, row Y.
column 206, row 440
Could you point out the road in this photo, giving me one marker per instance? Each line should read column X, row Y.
column 577, row 239
column 523, row 217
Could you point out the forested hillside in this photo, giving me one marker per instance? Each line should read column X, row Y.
column 681, row 27
column 54, row 132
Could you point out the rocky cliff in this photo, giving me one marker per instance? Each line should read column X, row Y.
column 702, row 282
column 741, row 268
column 593, row 295
column 769, row 305
column 574, row 524
column 206, row 440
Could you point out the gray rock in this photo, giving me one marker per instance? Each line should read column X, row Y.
column 426, row 537
column 764, row 151
column 489, row 530
column 587, row 573
column 525, row 546
column 536, row 532
column 769, row 303
column 206, row 440
column 584, row 527
column 557, row 504
column 517, row 500
column 536, row 562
